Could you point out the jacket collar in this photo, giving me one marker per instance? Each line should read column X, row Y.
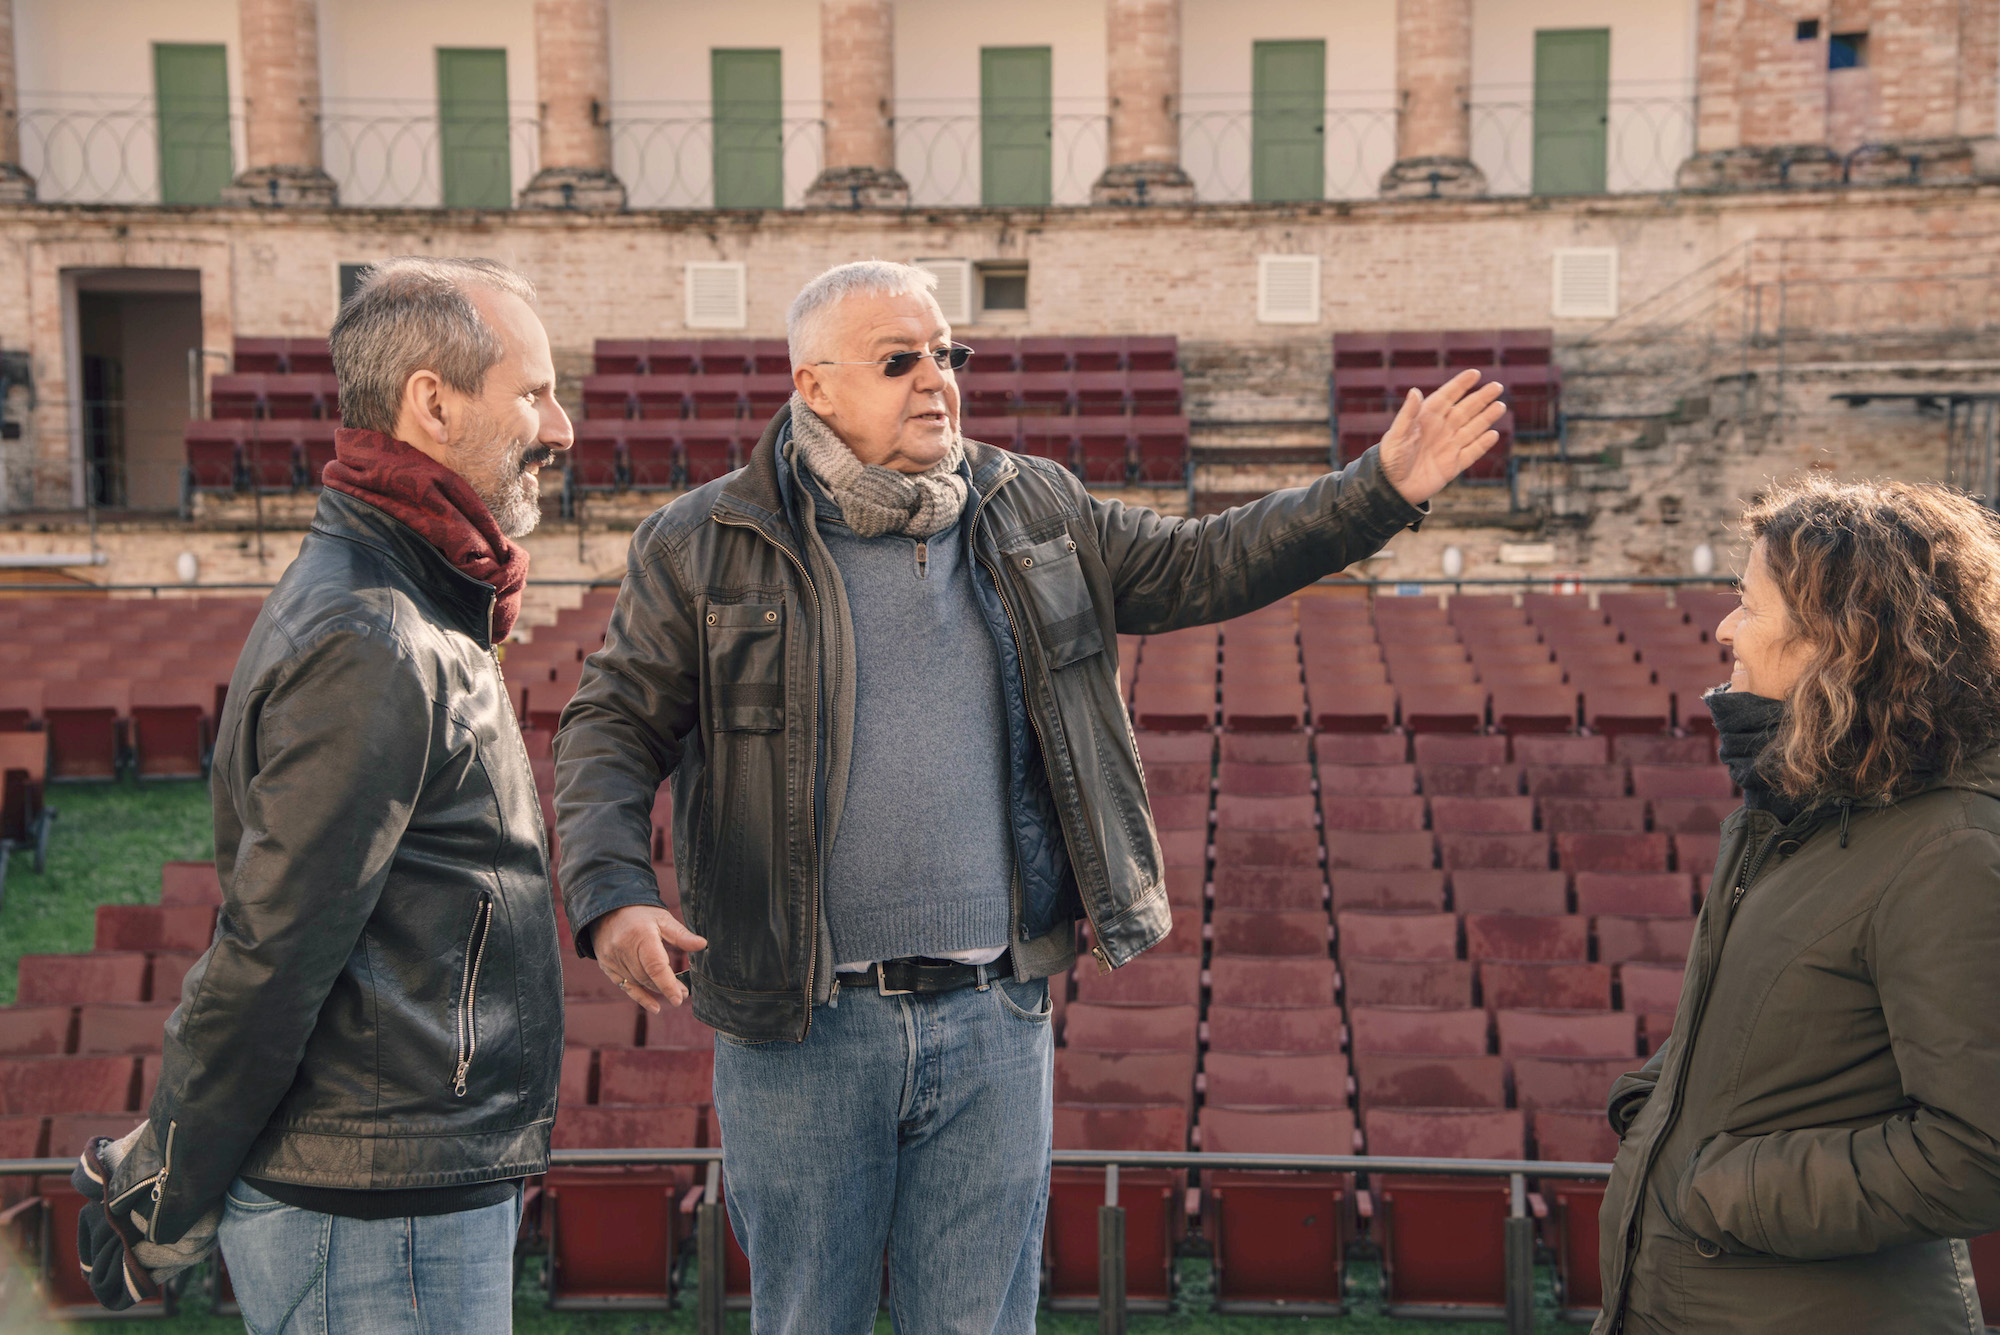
column 465, row 603
column 760, row 494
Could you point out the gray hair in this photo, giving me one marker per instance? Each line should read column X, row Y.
column 411, row 314
column 805, row 322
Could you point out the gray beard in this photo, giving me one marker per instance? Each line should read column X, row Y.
column 515, row 512
column 504, row 489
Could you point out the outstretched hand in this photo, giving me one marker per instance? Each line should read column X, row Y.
column 631, row 947
column 1435, row 439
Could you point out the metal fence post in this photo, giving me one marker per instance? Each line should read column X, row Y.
column 709, row 1256
column 1111, row 1258
column 1520, row 1253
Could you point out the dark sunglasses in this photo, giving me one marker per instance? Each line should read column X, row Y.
column 952, row 356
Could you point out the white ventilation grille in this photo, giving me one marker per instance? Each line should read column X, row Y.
column 1288, row 289
column 1586, row 283
column 954, row 288
column 715, row 297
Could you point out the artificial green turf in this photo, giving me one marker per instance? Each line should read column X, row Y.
column 106, row 847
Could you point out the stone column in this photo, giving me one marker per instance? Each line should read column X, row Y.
column 280, row 62
column 857, row 73
column 16, row 186
column 573, row 85
column 1143, row 84
column 1433, row 83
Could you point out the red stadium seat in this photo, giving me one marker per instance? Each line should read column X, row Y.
column 1274, row 1082
column 1268, row 888
column 35, row 1031
column 1483, row 815
column 1279, row 1238
column 1526, row 936
column 155, row 927
column 1611, row 852
column 1150, row 980
column 1646, row 893
column 1387, row 891
column 1429, row 1080
column 1576, row 1083
column 1498, row 852
column 602, row 1023
column 1538, row 1033
column 1655, row 940
column 1367, row 780
column 1154, row 1220
column 1373, row 813
column 1275, row 1029
column 122, row 1028
column 1268, row 932
column 1487, row 781
column 1562, row 749
column 57, row 1084
column 1360, row 747
column 82, row 723
column 645, row 1076
column 1397, row 936
column 170, row 726
column 71, row 979
column 1124, row 1077
column 1440, row 983
column 1441, row 1238
column 1587, row 815
column 1271, row 847
column 1095, row 1027
column 1475, row 891
column 1460, row 1032
column 614, row 1232
column 1269, row 981
column 1359, row 850
column 1650, row 988
column 169, row 970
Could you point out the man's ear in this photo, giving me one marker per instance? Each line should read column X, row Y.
column 424, row 411
column 812, row 388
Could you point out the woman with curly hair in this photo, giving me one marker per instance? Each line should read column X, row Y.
column 1810, row 1147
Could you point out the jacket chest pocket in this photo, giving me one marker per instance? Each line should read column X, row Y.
column 1065, row 618
column 744, row 677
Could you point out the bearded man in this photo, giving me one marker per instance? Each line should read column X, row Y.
column 880, row 663
column 362, row 1068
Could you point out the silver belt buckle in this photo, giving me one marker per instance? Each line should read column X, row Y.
column 882, row 984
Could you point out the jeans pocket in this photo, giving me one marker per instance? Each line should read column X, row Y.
column 1025, row 1001
column 244, row 1198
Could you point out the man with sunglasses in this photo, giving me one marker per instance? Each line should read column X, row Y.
column 878, row 664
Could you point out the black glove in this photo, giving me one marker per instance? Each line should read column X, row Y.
column 116, row 1180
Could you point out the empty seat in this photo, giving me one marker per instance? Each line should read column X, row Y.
column 1268, row 847
column 1361, row 850
column 1397, row 936
column 1530, row 984
column 170, row 726
column 55, row 1084
column 1267, row 888
column 1635, row 893
column 614, row 1232
column 1386, row 891
column 1477, row 890
column 1150, row 980
column 1539, row 1033
column 1650, row 988
column 1367, row 780
column 122, row 1027
column 1267, row 932
column 1094, row 1027
column 1560, row 749
column 1659, row 940
column 1359, row 747
column 35, row 1031
column 1575, row 780
column 1443, row 983
column 169, row 971
column 189, row 883
column 155, row 926
column 1151, row 1199
column 1429, row 1080
column 1460, row 1032
column 81, row 719
column 1611, row 852
column 1274, row 1081
column 1698, row 853
column 58, row 979
column 1279, row 1238
column 1526, row 936
column 1274, row 1029
column 1504, row 852
column 1585, row 815
column 1083, row 1076
column 1441, row 1238
column 652, row 1076
column 1573, row 1137
column 1483, row 815
column 601, row 1023
column 1467, row 781
column 1271, row 981
column 1567, row 1082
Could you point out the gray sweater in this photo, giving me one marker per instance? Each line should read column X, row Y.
column 922, row 863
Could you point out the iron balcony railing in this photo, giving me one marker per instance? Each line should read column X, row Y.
column 1518, row 1238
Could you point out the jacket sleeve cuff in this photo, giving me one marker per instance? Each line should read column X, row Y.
column 585, row 906
column 1384, row 507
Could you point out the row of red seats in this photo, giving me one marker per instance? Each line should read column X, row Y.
column 231, row 454
column 275, row 397
column 88, row 726
column 772, row 357
column 987, row 391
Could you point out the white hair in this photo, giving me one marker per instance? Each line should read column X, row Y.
column 805, row 322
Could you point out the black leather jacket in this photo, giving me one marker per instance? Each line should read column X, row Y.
column 728, row 664
column 382, row 1005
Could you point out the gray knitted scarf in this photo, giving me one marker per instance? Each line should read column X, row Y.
column 874, row 500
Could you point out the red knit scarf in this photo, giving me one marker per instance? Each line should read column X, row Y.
column 422, row 494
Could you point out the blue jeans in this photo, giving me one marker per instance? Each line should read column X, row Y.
column 297, row 1272
column 915, row 1125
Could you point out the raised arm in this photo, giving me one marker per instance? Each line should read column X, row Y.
column 1168, row 573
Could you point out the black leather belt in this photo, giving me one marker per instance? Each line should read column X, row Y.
column 921, row 975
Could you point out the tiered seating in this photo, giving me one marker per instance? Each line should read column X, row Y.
column 674, row 412
column 272, row 419
column 1372, row 372
column 94, row 684
column 1110, row 409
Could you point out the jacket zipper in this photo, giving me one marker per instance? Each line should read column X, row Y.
column 1000, row 591
column 468, row 992
column 812, row 772
column 160, row 1178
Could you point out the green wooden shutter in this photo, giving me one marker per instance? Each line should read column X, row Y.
column 1288, row 120
column 1572, row 109
column 475, row 157
column 191, row 90
column 1016, row 124
column 747, row 95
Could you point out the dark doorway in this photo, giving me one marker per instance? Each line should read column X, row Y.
column 135, row 330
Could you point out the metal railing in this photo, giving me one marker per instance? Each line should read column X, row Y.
column 1647, row 135
column 1219, row 147
column 665, row 155
column 940, row 153
column 710, row 1218
column 389, row 153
